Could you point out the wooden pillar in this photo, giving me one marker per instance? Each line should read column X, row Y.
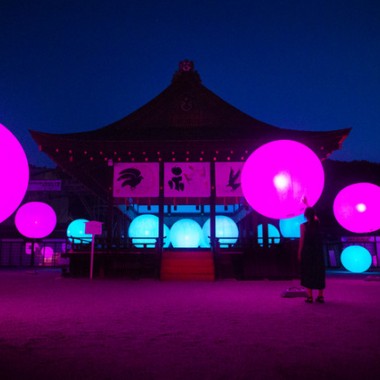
column 265, row 235
column 109, row 221
column 212, row 208
column 161, row 205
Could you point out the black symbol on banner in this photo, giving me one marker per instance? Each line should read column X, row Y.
column 130, row 177
column 233, row 179
column 176, row 182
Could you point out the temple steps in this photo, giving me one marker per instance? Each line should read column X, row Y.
column 187, row 266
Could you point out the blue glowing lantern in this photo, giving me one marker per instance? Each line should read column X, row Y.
column 166, row 236
column 290, row 227
column 205, row 241
column 273, row 234
column 226, row 231
column 76, row 232
column 356, row 258
column 143, row 231
column 185, row 233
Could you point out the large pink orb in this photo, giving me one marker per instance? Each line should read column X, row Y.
column 35, row 220
column 357, row 207
column 279, row 176
column 14, row 173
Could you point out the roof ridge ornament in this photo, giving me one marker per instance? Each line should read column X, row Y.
column 186, row 66
column 186, row 71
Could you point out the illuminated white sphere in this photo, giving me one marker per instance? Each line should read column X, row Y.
column 143, row 231
column 76, row 232
column 278, row 176
column 185, row 233
column 357, row 207
column 356, row 258
column 273, row 234
column 226, row 231
column 35, row 220
column 14, row 173
column 290, row 227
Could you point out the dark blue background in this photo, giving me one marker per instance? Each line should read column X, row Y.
column 71, row 66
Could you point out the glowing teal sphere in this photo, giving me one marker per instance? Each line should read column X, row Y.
column 205, row 241
column 290, row 228
column 273, row 234
column 185, row 233
column 226, row 231
column 143, row 231
column 356, row 258
column 76, row 232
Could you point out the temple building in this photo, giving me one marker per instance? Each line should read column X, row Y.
column 178, row 156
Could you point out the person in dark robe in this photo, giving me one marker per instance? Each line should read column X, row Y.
column 310, row 254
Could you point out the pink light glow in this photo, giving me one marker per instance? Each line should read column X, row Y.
column 279, row 175
column 35, row 220
column 357, row 207
column 48, row 253
column 361, row 207
column 14, row 171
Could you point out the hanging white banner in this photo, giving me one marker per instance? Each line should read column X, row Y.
column 227, row 179
column 139, row 180
column 187, row 179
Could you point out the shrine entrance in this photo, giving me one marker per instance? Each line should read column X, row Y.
column 177, row 159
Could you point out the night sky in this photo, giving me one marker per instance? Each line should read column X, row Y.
column 71, row 66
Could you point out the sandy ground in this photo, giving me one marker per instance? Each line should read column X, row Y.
column 63, row 328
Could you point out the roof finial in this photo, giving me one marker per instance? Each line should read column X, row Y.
column 186, row 66
column 186, row 72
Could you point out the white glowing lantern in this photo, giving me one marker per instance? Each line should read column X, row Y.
column 273, row 234
column 35, row 220
column 290, row 227
column 357, row 207
column 226, row 231
column 143, row 231
column 14, row 173
column 279, row 176
column 76, row 232
column 356, row 258
column 185, row 233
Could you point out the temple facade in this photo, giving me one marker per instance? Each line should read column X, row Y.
column 178, row 156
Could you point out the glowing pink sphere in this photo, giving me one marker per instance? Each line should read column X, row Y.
column 35, row 220
column 357, row 207
column 48, row 253
column 278, row 176
column 14, row 173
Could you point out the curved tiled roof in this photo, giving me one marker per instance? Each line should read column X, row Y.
column 185, row 116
